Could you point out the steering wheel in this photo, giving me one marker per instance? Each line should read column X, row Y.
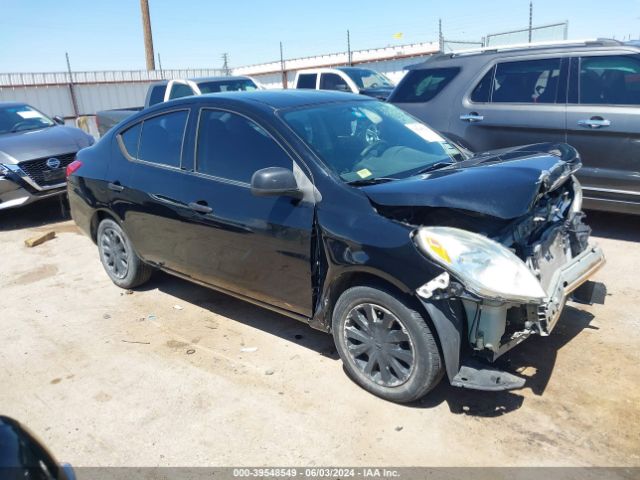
column 18, row 125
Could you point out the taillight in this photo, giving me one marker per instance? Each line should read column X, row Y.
column 73, row 166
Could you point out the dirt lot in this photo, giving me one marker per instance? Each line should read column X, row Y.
column 170, row 374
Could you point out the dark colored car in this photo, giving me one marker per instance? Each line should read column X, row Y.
column 24, row 457
column 348, row 214
column 34, row 153
column 583, row 94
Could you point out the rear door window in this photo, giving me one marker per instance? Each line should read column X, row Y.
column 307, row 80
column 423, row 85
column 333, row 81
column 482, row 92
column 529, row 81
column 610, row 80
column 161, row 138
column 233, row 147
column 130, row 138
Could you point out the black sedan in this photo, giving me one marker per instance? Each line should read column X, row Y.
column 348, row 214
column 34, row 153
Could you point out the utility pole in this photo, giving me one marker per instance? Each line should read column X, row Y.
column 440, row 36
column 148, row 38
column 282, row 70
column 349, row 48
column 225, row 64
column 160, row 65
column 530, row 20
column 72, row 91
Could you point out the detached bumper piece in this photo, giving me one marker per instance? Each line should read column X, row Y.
column 479, row 376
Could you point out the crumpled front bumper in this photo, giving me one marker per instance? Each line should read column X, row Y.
column 565, row 281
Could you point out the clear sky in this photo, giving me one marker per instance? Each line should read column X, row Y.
column 107, row 34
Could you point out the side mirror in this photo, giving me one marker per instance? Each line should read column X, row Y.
column 58, row 119
column 24, row 456
column 275, row 182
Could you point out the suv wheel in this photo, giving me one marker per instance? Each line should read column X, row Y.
column 386, row 346
column 121, row 263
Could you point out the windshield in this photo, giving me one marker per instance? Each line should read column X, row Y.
column 18, row 118
column 365, row 78
column 366, row 140
column 236, row 85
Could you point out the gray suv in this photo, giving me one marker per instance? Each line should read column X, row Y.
column 586, row 94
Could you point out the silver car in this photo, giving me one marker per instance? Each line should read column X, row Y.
column 34, row 153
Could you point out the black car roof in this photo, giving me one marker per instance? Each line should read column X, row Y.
column 279, row 99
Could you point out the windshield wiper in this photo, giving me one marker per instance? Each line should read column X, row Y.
column 436, row 166
column 370, row 181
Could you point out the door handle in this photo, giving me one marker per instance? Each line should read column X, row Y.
column 595, row 122
column 472, row 117
column 115, row 186
column 200, row 207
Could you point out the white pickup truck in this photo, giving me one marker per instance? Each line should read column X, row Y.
column 169, row 89
column 346, row 79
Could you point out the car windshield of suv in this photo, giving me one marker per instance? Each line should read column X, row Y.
column 236, row 85
column 18, row 118
column 365, row 78
column 365, row 141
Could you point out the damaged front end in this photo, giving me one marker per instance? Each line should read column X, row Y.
column 509, row 278
column 513, row 285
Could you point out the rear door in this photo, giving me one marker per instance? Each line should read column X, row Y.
column 603, row 123
column 148, row 196
column 307, row 81
column 259, row 247
column 514, row 102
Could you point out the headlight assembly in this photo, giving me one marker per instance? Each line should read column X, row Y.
column 484, row 266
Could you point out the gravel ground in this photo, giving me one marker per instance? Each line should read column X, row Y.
column 173, row 374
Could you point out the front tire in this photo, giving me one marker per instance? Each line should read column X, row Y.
column 385, row 344
column 121, row 263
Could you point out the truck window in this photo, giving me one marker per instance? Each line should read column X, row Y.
column 482, row 91
column 529, row 81
column 161, row 138
column 179, row 90
column 332, row 81
column 423, row 85
column 157, row 94
column 307, row 80
column 610, row 80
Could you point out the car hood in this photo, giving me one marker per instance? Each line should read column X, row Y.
column 502, row 183
column 381, row 93
column 28, row 145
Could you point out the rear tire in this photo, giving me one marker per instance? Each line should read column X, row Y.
column 386, row 346
column 121, row 263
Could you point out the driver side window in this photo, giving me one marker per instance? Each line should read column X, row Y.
column 233, row 147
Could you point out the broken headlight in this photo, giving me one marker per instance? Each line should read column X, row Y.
column 484, row 266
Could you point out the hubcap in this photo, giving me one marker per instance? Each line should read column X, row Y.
column 114, row 253
column 379, row 345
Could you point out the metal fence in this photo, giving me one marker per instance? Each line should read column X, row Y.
column 541, row 33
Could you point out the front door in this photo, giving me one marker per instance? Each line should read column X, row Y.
column 255, row 246
column 514, row 103
column 603, row 123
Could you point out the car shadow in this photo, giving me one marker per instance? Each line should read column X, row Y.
column 244, row 312
column 43, row 212
column 536, row 356
column 616, row 226
column 534, row 359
